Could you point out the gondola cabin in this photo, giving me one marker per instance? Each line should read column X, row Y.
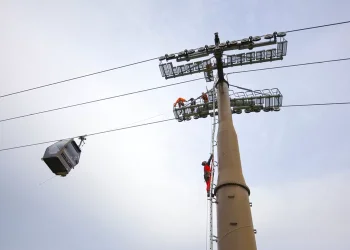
column 62, row 156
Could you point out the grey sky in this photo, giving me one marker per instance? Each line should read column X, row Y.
column 144, row 187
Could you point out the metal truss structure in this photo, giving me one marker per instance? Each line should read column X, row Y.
column 207, row 66
column 249, row 101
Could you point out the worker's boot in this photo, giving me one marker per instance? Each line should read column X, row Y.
column 208, row 194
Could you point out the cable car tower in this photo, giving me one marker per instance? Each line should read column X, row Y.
column 234, row 220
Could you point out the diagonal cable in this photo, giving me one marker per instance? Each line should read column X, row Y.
column 92, row 134
column 317, row 27
column 161, row 121
column 290, row 66
column 143, row 61
column 78, row 77
column 98, row 100
column 165, row 86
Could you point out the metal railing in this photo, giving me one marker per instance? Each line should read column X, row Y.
column 249, row 101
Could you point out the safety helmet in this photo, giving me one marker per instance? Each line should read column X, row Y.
column 204, row 163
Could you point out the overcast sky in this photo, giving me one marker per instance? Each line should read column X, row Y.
column 144, row 187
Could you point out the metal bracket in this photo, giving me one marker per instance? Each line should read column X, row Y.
column 216, row 84
column 82, row 138
column 213, row 199
column 232, row 184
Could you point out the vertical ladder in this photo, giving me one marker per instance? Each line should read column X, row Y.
column 212, row 200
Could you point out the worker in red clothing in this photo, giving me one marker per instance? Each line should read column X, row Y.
column 204, row 97
column 207, row 173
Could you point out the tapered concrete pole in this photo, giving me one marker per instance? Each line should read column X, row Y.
column 234, row 220
column 235, row 229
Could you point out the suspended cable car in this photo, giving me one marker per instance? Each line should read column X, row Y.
column 63, row 156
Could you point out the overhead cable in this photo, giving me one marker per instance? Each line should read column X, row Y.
column 78, row 77
column 290, row 66
column 316, row 27
column 316, row 104
column 98, row 100
column 143, row 61
column 161, row 121
column 165, row 86
column 92, row 134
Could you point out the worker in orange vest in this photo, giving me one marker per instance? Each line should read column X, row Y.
column 180, row 101
column 207, row 173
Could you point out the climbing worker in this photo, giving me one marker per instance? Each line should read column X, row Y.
column 207, row 173
column 180, row 101
column 204, row 97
